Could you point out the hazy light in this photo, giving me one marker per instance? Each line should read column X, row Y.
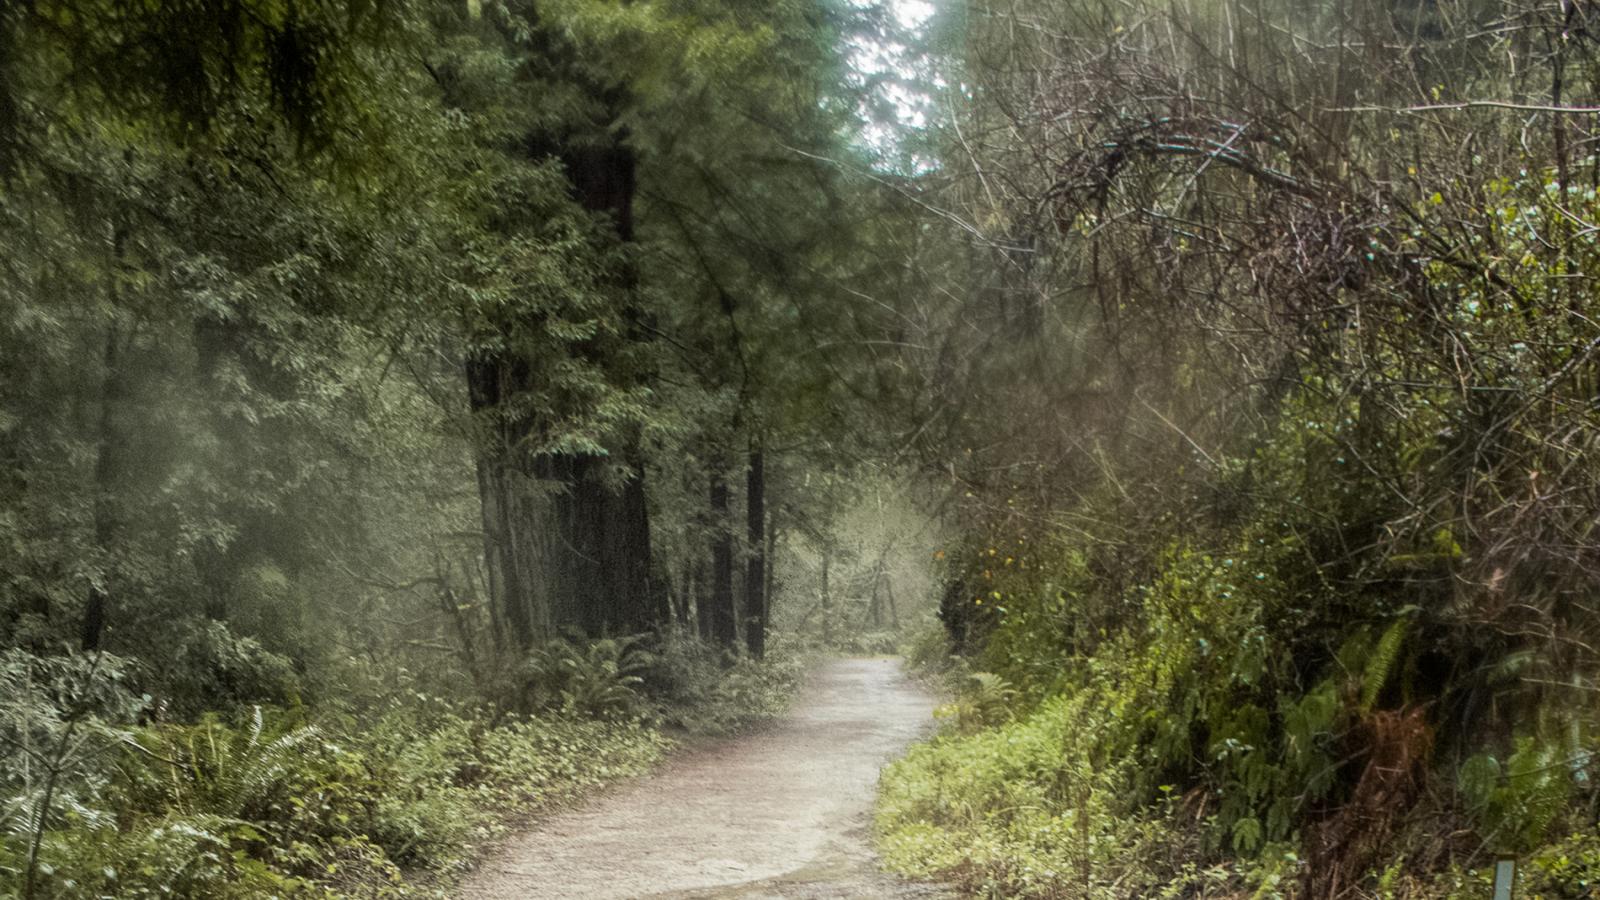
column 912, row 13
column 904, row 68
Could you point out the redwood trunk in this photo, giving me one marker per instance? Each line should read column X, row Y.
column 755, row 600
column 722, row 626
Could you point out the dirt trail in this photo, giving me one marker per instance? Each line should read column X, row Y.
column 781, row 814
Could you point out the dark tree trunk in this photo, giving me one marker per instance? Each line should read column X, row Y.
column 625, row 598
column 702, row 600
column 888, row 593
column 875, row 604
column 575, row 553
column 108, row 471
column 450, row 604
column 755, row 600
column 599, row 568
column 110, row 456
column 216, row 341
column 769, row 555
column 685, row 591
column 724, row 630
column 508, row 535
column 827, row 596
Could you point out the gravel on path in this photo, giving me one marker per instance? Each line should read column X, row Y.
column 781, row 813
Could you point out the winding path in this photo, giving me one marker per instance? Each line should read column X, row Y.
column 783, row 813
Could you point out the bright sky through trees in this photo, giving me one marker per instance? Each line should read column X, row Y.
column 900, row 74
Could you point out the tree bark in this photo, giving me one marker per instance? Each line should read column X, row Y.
column 110, row 455
column 888, row 592
column 723, row 628
column 504, row 504
column 576, row 555
column 702, row 600
column 755, row 600
column 769, row 556
column 600, row 571
column 827, row 597
column 874, row 605
column 680, row 612
column 108, row 469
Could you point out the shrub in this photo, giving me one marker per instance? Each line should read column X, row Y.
column 704, row 689
column 272, row 806
column 595, row 678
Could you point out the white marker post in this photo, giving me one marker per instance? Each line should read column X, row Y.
column 1505, row 875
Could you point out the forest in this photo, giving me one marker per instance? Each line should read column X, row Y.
column 418, row 414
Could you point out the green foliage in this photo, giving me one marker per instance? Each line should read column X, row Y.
column 1028, row 809
column 1294, row 590
column 1569, row 867
column 982, row 700
column 1195, row 698
column 230, row 772
column 296, row 297
column 598, row 679
column 1517, row 801
column 269, row 806
column 928, row 649
column 704, row 689
column 216, row 666
column 1381, row 663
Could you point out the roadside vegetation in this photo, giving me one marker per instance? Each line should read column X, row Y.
column 388, row 794
column 1276, row 498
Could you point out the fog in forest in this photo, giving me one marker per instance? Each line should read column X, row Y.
column 820, row 448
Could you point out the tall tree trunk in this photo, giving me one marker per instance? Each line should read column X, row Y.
column 769, row 556
column 600, row 570
column 639, row 600
column 702, row 600
column 450, row 604
column 888, row 592
column 827, row 596
column 508, row 532
column 755, row 600
column 875, row 604
column 110, row 454
column 575, row 553
column 724, row 630
column 684, row 593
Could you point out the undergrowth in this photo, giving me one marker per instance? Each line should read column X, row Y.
column 1204, row 750
column 379, row 796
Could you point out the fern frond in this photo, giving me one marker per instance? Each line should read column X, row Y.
column 1382, row 662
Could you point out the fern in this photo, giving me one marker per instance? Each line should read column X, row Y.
column 1246, row 834
column 1380, row 665
column 600, row 679
column 1537, row 787
column 1516, row 803
column 985, row 701
column 1477, row 780
column 228, row 771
